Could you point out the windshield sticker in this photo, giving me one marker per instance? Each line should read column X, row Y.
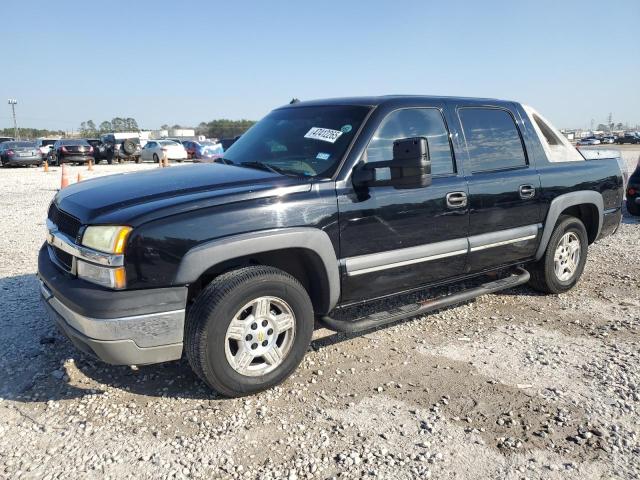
column 346, row 128
column 323, row 134
column 323, row 156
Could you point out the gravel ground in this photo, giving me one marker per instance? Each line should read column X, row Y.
column 511, row 385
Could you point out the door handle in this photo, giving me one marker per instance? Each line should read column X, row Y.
column 456, row 199
column 527, row 191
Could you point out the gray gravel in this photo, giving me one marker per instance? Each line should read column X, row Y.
column 512, row 385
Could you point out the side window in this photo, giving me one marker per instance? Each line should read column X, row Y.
column 492, row 138
column 413, row 122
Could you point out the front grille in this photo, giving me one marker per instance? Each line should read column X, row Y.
column 66, row 223
column 63, row 257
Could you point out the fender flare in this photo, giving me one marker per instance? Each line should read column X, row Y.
column 561, row 203
column 209, row 254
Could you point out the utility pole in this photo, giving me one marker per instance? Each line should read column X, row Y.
column 13, row 102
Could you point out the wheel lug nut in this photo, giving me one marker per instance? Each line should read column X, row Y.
column 254, row 346
column 265, row 343
column 264, row 323
column 270, row 331
column 254, row 326
column 248, row 338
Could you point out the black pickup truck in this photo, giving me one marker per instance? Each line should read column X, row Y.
column 320, row 206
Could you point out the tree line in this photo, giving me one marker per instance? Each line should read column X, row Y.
column 31, row 132
column 221, row 128
column 117, row 124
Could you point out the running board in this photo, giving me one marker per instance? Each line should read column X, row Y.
column 374, row 320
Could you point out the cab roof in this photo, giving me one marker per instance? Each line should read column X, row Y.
column 375, row 101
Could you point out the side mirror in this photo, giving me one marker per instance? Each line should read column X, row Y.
column 410, row 167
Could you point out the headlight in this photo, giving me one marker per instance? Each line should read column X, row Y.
column 106, row 276
column 109, row 239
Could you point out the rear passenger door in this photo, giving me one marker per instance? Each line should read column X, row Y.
column 504, row 188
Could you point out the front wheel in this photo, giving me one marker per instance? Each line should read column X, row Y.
column 248, row 330
column 563, row 261
column 155, row 158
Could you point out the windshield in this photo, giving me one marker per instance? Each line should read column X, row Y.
column 307, row 141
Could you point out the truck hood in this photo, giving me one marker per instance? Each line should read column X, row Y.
column 136, row 197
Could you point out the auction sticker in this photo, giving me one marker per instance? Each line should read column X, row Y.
column 323, row 134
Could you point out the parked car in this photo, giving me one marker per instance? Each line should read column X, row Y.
column 100, row 150
column 190, row 147
column 45, row 145
column 204, row 151
column 589, row 141
column 177, row 140
column 121, row 146
column 608, row 140
column 156, row 149
column 19, row 153
column 6, row 139
column 633, row 191
column 227, row 142
column 628, row 138
column 322, row 205
column 68, row 150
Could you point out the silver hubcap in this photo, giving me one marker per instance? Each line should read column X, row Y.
column 567, row 256
column 260, row 336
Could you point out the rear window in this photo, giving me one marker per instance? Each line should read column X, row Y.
column 492, row 138
column 73, row 142
column 20, row 144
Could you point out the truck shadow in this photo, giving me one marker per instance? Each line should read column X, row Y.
column 39, row 364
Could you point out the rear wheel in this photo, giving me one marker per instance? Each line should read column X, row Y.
column 564, row 259
column 632, row 207
column 248, row 330
column 155, row 158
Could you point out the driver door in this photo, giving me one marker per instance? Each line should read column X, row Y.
column 393, row 239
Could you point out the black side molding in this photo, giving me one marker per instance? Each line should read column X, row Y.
column 378, row 319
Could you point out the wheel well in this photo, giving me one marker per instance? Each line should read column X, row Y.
column 588, row 214
column 302, row 264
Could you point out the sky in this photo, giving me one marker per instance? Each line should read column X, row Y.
column 183, row 62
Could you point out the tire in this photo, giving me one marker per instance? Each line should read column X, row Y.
column 136, row 159
column 128, row 146
column 155, row 158
column 232, row 298
column 633, row 208
column 544, row 275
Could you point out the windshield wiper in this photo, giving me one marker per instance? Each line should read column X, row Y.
column 269, row 168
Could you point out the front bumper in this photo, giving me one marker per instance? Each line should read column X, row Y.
column 127, row 327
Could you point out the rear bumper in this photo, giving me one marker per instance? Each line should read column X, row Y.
column 130, row 327
column 75, row 158
column 23, row 161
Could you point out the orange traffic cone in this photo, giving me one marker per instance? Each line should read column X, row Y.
column 65, row 177
column 45, row 164
column 79, row 177
column 90, row 168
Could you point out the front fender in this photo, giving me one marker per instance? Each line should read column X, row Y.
column 207, row 255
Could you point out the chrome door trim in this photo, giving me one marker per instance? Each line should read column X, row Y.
column 503, row 237
column 374, row 262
